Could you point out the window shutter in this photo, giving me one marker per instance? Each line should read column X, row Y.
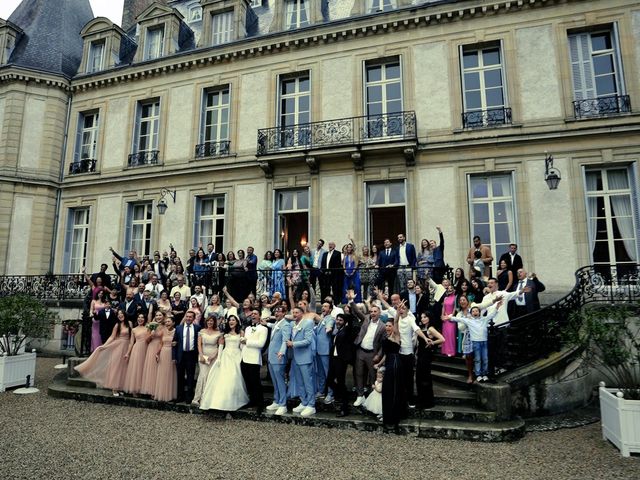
column 127, row 229
column 76, row 152
column 66, row 258
column 203, row 117
column 633, row 183
column 581, row 66
column 196, row 221
column 615, row 40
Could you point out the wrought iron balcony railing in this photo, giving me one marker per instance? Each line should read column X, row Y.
column 596, row 107
column 339, row 132
column 486, row 118
column 149, row 157
column 86, row 165
column 213, row 149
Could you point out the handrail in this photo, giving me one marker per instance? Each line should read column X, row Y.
column 536, row 335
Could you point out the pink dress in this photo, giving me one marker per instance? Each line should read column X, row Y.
column 133, row 380
column 167, row 379
column 150, row 370
column 449, row 328
column 96, row 339
column 107, row 366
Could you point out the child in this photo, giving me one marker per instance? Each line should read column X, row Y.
column 477, row 326
column 373, row 403
column 478, row 264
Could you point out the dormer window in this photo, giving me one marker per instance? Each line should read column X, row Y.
column 296, row 15
column 95, row 62
column 256, row 3
column 154, row 43
column 382, row 5
column 195, row 14
column 222, row 28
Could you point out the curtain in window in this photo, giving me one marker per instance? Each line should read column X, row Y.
column 621, row 206
column 592, row 209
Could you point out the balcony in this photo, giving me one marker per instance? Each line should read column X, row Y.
column 140, row 159
column 213, row 149
column 86, row 165
column 337, row 133
column 492, row 117
column 598, row 107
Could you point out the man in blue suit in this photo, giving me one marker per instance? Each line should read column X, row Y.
column 406, row 261
column 185, row 353
column 387, row 264
column 323, row 332
column 301, row 344
column 277, row 357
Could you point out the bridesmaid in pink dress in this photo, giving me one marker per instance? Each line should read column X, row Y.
column 97, row 304
column 154, row 342
column 167, row 379
column 107, row 365
column 136, row 356
column 449, row 328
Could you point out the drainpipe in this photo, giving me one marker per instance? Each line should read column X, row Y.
column 56, row 218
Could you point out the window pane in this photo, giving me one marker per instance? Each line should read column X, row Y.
column 491, row 57
column 470, row 59
column 603, row 64
column 502, row 233
column 601, row 41
column 393, row 91
column 376, row 194
column 303, row 200
column 479, row 188
column 493, row 78
column 474, row 100
column 393, row 71
column 286, row 201
column 396, row 193
column 472, row 81
column 606, row 85
column 480, row 213
column 500, row 211
column 483, row 231
column 374, row 73
column 207, row 207
column 494, row 97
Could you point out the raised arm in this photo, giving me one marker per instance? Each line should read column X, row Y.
column 230, row 298
column 87, row 278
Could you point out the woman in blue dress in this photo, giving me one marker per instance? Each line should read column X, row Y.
column 351, row 274
column 277, row 274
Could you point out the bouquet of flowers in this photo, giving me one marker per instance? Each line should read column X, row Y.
column 152, row 326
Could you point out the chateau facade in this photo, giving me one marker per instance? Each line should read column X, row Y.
column 276, row 123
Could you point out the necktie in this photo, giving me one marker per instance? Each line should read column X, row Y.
column 388, row 251
column 188, row 347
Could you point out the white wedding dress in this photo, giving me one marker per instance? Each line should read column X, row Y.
column 225, row 389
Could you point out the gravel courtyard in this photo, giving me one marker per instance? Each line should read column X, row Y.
column 42, row 437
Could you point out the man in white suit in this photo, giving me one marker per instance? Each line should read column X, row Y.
column 502, row 315
column 255, row 337
column 280, row 333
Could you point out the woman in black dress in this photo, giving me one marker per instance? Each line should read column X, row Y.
column 424, row 383
column 394, row 400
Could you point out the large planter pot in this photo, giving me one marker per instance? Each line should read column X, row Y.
column 14, row 370
column 620, row 421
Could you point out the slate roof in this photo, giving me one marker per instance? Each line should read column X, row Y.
column 51, row 40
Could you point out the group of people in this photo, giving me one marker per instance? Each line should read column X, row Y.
column 196, row 343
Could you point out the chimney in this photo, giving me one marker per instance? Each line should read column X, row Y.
column 133, row 8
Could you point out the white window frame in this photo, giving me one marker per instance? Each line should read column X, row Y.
column 256, row 3
column 387, row 203
column 490, row 200
column 153, row 120
column 87, row 137
column 193, row 16
column 222, row 27
column 378, row 125
column 277, row 240
column 77, row 235
column 142, row 244
column 213, row 218
column 481, row 69
column 300, row 9
column 291, row 134
column 606, row 192
column 153, row 50
column 96, row 56
column 217, row 113
column 381, row 5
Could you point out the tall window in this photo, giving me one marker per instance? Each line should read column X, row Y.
column 386, row 210
column 154, row 43
column 294, row 112
column 87, row 136
column 138, row 228
column 215, row 119
column 76, row 239
column 381, row 5
column 383, row 98
column 209, row 222
column 483, row 88
column 492, row 212
column 96, row 56
column 147, row 126
column 222, row 28
column 292, row 224
column 296, row 15
column 610, row 216
column 596, row 71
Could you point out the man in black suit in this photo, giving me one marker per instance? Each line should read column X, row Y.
column 340, row 356
column 528, row 301
column 185, row 353
column 103, row 276
column 130, row 307
column 332, row 275
column 108, row 319
column 388, row 264
column 414, row 299
column 514, row 261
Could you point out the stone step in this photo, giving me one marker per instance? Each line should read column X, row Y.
column 445, row 428
column 451, row 367
column 446, row 394
column 458, row 380
column 80, row 382
column 438, row 357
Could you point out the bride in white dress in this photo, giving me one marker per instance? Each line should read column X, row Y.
column 225, row 389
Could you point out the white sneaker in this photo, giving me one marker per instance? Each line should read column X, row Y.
column 359, row 401
column 299, row 408
column 328, row 399
column 308, row 411
column 273, row 406
column 485, row 378
column 281, row 410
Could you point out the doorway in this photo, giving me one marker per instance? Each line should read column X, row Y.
column 292, row 220
column 386, row 212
